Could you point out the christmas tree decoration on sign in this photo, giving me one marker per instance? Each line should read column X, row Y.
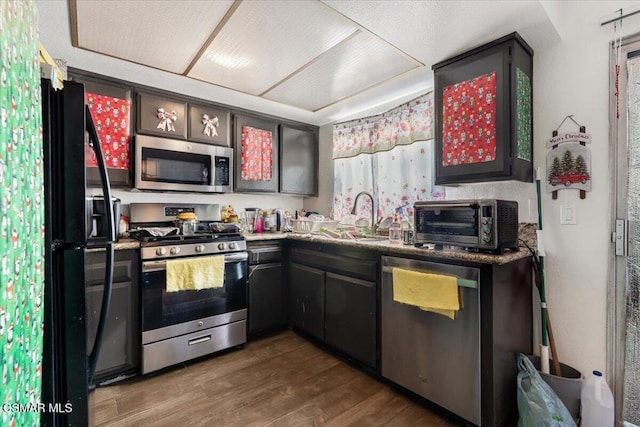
column 569, row 161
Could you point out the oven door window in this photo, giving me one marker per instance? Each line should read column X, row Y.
column 450, row 222
column 175, row 167
column 161, row 308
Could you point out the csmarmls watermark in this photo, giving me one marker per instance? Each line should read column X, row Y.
column 58, row 408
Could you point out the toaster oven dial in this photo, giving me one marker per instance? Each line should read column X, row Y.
column 161, row 251
column 175, row 250
column 221, row 246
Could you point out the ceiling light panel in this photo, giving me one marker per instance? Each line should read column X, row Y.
column 263, row 42
column 355, row 65
column 159, row 34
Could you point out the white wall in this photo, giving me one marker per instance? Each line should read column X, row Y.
column 324, row 202
column 570, row 77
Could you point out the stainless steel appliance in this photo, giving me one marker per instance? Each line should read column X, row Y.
column 428, row 353
column 169, row 164
column 69, row 362
column 483, row 224
column 179, row 326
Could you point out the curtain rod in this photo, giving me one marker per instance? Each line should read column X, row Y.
column 620, row 17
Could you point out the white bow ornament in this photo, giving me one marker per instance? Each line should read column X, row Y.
column 166, row 120
column 210, row 125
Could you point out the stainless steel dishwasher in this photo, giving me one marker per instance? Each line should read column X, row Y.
column 433, row 356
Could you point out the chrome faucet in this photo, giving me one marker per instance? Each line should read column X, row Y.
column 373, row 208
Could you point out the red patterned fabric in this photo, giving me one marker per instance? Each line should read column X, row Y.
column 469, row 121
column 111, row 117
column 257, row 154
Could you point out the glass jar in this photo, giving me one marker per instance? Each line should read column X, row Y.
column 187, row 223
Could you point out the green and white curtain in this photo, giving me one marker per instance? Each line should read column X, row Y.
column 21, row 213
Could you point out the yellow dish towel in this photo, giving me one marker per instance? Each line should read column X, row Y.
column 194, row 274
column 431, row 292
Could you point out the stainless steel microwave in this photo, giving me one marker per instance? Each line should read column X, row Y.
column 482, row 224
column 173, row 165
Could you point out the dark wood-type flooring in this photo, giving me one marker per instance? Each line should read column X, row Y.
column 280, row 380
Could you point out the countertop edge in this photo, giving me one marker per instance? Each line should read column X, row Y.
column 383, row 246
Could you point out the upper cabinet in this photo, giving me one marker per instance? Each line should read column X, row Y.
column 110, row 108
column 161, row 116
column 298, row 160
column 256, row 152
column 209, row 124
column 484, row 119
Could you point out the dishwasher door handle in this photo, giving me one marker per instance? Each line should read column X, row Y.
column 466, row 283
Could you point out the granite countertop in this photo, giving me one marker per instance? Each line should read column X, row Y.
column 527, row 233
column 388, row 248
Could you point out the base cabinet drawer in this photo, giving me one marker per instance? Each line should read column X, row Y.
column 168, row 352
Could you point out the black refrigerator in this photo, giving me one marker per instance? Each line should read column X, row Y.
column 68, row 364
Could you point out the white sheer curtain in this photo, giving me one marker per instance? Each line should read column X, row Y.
column 397, row 178
column 403, row 176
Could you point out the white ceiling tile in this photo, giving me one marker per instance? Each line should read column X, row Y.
column 355, row 65
column 161, row 34
column 265, row 41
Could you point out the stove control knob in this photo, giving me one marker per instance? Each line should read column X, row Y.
column 161, row 251
column 175, row 250
column 221, row 246
column 199, row 248
column 232, row 245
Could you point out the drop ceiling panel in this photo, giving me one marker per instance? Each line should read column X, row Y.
column 263, row 42
column 161, row 34
column 355, row 65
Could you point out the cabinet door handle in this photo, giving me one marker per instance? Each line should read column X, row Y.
column 303, row 308
column 199, row 340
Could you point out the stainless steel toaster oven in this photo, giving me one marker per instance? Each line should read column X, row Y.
column 482, row 224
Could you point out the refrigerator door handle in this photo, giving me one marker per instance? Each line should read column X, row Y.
column 94, row 142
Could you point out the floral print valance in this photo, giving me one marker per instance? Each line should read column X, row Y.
column 407, row 123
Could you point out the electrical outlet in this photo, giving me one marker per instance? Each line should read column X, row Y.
column 568, row 215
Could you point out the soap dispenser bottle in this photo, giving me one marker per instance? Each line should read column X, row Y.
column 395, row 231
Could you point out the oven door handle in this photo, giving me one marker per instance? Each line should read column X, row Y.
column 151, row 266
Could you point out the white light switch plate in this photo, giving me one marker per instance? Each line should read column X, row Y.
column 568, row 215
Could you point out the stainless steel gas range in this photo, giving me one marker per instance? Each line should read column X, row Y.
column 179, row 326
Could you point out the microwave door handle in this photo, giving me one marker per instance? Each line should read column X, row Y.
column 104, row 312
column 94, row 143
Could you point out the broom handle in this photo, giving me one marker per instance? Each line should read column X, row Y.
column 554, row 351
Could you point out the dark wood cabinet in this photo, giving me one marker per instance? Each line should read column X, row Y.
column 306, row 296
column 161, row 116
column 120, row 352
column 267, row 291
column 483, row 114
column 110, row 106
column 256, row 149
column 209, row 124
column 298, row 160
column 350, row 316
column 347, row 280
